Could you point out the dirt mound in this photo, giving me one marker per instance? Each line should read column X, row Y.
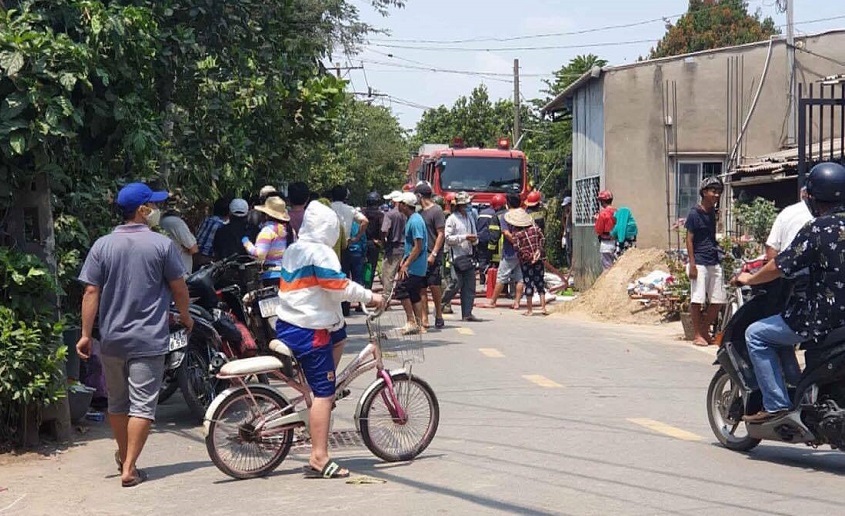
column 607, row 299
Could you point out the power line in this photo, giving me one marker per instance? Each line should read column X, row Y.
column 558, row 47
column 549, row 35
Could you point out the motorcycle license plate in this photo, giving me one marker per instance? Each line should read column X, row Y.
column 268, row 306
column 178, row 340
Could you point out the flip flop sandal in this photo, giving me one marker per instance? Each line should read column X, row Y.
column 331, row 470
column 140, row 477
column 439, row 323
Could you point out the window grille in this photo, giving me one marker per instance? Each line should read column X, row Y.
column 586, row 200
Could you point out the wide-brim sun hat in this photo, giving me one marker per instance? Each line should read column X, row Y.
column 519, row 218
column 275, row 207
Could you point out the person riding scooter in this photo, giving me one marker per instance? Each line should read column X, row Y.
column 819, row 247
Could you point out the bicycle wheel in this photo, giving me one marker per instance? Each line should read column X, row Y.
column 235, row 440
column 393, row 440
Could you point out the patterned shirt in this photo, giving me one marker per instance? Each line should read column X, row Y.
column 206, row 232
column 529, row 243
column 820, row 245
column 270, row 244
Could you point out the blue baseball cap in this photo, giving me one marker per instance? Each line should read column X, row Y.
column 134, row 195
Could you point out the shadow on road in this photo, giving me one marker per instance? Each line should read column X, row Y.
column 810, row 460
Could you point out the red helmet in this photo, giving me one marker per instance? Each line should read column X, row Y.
column 533, row 198
column 605, row 195
column 407, row 188
column 498, row 201
column 449, row 198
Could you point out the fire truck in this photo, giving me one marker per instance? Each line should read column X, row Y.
column 480, row 172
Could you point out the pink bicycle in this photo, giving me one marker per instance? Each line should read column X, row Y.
column 249, row 428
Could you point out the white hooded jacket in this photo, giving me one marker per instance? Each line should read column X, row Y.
column 312, row 285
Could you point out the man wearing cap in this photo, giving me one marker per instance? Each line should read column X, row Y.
column 130, row 277
column 209, row 227
column 461, row 239
column 435, row 223
column 227, row 240
column 413, row 267
column 393, row 235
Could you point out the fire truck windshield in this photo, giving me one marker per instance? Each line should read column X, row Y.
column 481, row 174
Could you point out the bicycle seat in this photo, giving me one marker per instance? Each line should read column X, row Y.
column 280, row 348
column 254, row 365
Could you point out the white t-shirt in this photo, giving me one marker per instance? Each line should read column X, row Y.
column 787, row 224
column 347, row 215
column 178, row 231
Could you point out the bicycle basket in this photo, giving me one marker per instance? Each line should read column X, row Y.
column 396, row 342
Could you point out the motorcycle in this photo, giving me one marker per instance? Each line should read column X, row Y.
column 818, row 416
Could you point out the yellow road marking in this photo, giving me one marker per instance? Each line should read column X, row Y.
column 491, row 353
column 665, row 429
column 465, row 331
column 542, row 381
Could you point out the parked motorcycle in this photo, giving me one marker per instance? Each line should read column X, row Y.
column 819, row 398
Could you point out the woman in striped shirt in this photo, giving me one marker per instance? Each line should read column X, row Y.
column 272, row 240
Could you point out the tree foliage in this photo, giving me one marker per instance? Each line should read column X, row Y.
column 713, row 24
column 476, row 119
column 367, row 151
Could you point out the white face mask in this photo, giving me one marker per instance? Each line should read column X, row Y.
column 153, row 217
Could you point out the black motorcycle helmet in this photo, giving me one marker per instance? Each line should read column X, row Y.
column 373, row 199
column 825, row 183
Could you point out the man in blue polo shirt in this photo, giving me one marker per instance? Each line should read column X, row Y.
column 131, row 275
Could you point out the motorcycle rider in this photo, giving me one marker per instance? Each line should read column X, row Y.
column 817, row 246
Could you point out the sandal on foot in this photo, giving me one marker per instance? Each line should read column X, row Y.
column 140, row 476
column 331, row 470
column 118, row 461
column 439, row 323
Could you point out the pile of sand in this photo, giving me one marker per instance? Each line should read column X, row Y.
column 607, row 299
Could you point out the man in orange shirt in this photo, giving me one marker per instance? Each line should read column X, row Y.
column 605, row 220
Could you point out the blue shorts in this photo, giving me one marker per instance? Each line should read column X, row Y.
column 313, row 351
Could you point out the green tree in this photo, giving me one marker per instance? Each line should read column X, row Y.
column 713, row 24
column 367, row 151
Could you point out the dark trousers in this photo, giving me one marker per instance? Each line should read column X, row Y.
column 373, row 252
column 465, row 283
column 484, row 257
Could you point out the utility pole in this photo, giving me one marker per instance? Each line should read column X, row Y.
column 338, row 68
column 792, row 103
column 517, row 130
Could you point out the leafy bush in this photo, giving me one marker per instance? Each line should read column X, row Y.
column 756, row 218
column 31, row 354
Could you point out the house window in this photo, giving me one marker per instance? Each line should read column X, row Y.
column 586, row 200
column 690, row 174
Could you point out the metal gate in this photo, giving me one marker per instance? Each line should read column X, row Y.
column 821, row 125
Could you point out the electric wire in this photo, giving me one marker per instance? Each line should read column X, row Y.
column 557, row 47
column 604, row 28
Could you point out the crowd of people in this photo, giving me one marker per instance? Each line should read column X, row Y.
column 321, row 253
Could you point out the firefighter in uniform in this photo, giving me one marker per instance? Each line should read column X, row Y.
column 489, row 235
column 534, row 208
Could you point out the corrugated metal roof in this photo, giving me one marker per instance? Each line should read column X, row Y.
column 788, row 158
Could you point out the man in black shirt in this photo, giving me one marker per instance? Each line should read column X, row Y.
column 227, row 239
column 707, row 284
column 820, row 247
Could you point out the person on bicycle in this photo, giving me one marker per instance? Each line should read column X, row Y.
column 819, row 247
column 311, row 322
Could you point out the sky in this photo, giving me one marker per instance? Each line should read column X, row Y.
column 405, row 73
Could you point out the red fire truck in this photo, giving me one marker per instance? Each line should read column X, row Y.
column 482, row 173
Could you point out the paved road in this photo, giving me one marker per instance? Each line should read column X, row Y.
column 540, row 416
